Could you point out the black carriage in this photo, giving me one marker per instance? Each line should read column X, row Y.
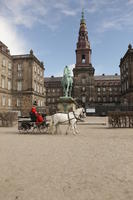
column 29, row 125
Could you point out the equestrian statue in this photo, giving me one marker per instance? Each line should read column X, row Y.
column 67, row 82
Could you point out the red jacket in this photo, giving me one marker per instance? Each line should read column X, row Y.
column 39, row 118
column 33, row 110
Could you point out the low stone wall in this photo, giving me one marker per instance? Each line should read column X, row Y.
column 8, row 119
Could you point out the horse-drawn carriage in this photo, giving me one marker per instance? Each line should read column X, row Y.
column 29, row 125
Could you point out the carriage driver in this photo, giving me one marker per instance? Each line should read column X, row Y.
column 36, row 116
column 33, row 112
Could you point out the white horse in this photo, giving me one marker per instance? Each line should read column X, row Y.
column 69, row 118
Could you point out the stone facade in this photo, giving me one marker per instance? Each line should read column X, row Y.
column 126, row 71
column 53, row 92
column 22, row 81
column 5, row 78
column 28, row 82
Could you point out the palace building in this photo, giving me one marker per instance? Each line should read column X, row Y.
column 22, row 81
column 89, row 90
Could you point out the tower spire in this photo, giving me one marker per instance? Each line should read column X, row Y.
column 83, row 71
column 82, row 16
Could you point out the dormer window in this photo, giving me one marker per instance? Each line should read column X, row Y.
column 83, row 58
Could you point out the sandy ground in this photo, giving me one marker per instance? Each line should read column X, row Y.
column 97, row 164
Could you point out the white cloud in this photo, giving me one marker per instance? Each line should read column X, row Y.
column 50, row 13
column 29, row 12
column 11, row 37
column 69, row 12
column 109, row 15
column 130, row 2
column 71, row 66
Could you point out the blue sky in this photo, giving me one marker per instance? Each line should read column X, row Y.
column 50, row 28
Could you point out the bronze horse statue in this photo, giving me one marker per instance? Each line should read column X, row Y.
column 67, row 82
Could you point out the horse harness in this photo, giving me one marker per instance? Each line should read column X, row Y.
column 75, row 117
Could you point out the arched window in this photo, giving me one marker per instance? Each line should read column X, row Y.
column 83, row 58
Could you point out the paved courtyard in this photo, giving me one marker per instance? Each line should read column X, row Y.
column 96, row 164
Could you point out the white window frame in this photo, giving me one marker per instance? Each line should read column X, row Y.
column 4, row 62
column 83, row 99
column 10, row 66
column 19, row 86
column 18, row 102
column 9, row 84
column 35, row 86
column 41, row 103
column 19, row 67
column 98, row 89
column 3, row 82
column 9, row 102
column 3, row 100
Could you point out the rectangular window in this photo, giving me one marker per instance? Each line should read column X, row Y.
column 9, row 102
column 41, row 103
column 104, row 99
column 116, row 99
column 83, row 99
column 9, row 84
column 38, row 88
column 127, row 84
column 19, row 86
column 19, row 74
column 41, row 89
column 18, row 102
column 3, row 82
column 9, row 73
column 104, row 89
column 98, row 89
column 83, row 80
column 110, row 99
column 35, row 68
column 4, row 62
column 3, row 70
column 99, row 99
column 3, row 100
column 9, row 66
column 19, row 67
column 35, row 86
column 115, row 89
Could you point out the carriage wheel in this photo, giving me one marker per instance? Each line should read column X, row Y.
column 41, row 128
column 21, row 131
column 35, row 129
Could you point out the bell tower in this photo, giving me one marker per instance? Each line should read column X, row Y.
column 83, row 86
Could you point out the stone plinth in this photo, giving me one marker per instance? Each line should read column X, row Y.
column 66, row 104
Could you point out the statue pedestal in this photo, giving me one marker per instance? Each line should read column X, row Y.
column 66, row 104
